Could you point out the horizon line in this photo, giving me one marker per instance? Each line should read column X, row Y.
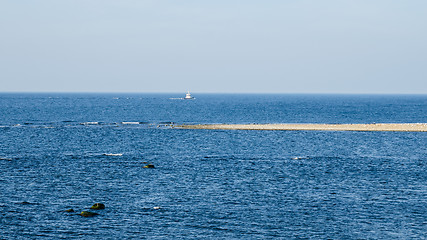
column 201, row 92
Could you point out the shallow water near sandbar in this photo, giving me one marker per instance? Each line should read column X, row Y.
column 62, row 151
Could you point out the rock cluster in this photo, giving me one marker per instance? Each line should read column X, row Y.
column 96, row 206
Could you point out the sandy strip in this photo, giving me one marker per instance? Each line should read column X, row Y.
column 395, row 127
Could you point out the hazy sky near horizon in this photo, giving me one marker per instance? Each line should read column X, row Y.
column 224, row 46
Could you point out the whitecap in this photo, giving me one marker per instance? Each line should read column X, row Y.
column 130, row 123
column 90, row 123
column 300, row 158
column 112, row 154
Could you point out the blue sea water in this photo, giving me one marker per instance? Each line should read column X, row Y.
column 210, row 184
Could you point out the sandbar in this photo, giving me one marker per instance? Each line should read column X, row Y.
column 392, row 127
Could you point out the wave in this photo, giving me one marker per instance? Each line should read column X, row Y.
column 112, row 154
column 89, row 123
column 69, row 123
column 163, row 123
column 301, row 158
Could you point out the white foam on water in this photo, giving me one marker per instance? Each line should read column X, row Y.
column 90, row 123
column 112, row 154
column 130, row 123
column 301, row 158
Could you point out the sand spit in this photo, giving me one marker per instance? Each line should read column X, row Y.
column 393, row 127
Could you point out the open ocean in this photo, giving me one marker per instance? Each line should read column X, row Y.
column 55, row 154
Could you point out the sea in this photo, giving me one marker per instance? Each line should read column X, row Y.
column 69, row 151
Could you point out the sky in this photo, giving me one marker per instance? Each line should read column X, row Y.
column 221, row 46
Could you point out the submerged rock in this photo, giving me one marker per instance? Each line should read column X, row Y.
column 88, row 214
column 98, row 206
column 149, row 166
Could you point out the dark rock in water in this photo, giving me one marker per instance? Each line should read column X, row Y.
column 69, row 210
column 98, row 206
column 149, row 166
column 88, row 214
column 25, row 203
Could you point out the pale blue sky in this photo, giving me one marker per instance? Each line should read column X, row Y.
column 224, row 46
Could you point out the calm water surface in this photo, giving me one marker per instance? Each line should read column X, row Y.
column 210, row 184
